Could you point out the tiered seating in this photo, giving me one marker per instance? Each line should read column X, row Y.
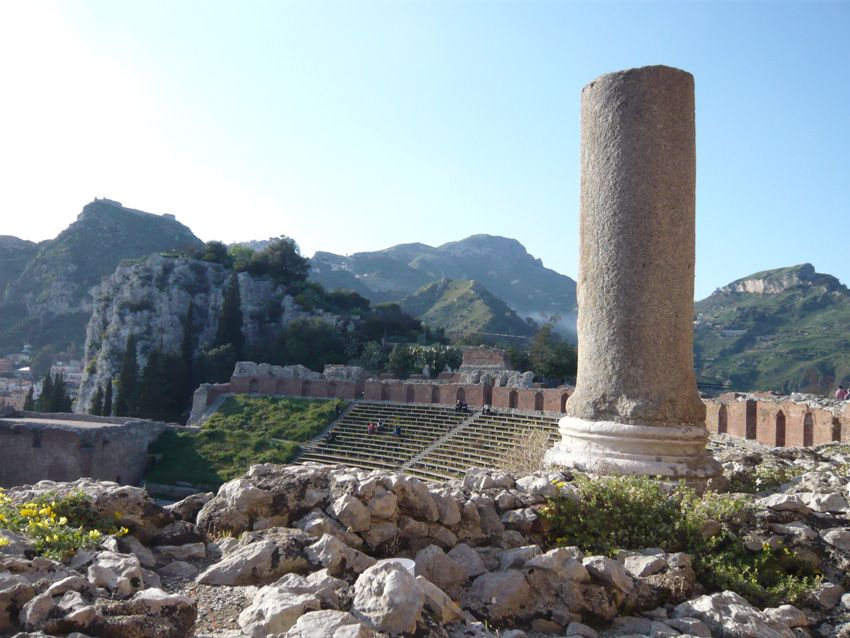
column 421, row 426
column 481, row 443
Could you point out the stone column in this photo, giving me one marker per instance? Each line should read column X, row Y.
column 636, row 409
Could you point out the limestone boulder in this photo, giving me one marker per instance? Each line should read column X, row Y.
column 337, row 557
column 381, row 534
column 387, row 597
column 562, row 562
column 329, row 624
column 235, row 508
column 414, row 499
column 448, row 507
column 274, row 609
column 260, row 558
column 178, row 533
column 188, row 508
column 383, row 504
column 728, row 615
column 838, row 537
column 610, row 572
column 433, row 564
column 130, row 545
column 351, row 512
column 501, row 596
column 469, row 559
column 120, row 574
column 317, row 523
column 15, row 591
column 438, row 603
column 518, row 557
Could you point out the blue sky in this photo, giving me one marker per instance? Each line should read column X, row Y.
column 353, row 126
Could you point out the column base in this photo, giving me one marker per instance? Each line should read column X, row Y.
column 607, row 447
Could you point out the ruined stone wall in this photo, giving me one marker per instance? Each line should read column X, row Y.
column 30, row 452
column 777, row 422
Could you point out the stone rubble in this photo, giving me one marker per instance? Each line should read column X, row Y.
column 478, row 546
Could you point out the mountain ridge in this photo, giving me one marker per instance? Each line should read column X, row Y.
column 501, row 265
column 784, row 329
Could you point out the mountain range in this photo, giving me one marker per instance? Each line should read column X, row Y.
column 500, row 265
column 786, row 329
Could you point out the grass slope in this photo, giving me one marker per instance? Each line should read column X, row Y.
column 245, row 430
column 796, row 337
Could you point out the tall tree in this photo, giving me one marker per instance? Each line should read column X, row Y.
column 97, row 402
column 127, row 378
column 45, row 399
column 230, row 321
column 107, row 399
column 29, row 402
column 160, row 392
column 61, row 400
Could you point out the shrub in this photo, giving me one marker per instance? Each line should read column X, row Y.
column 56, row 526
column 525, row 454
column 634, row 512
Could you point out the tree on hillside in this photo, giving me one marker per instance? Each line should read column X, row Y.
column 61, row 400
column 46, row 397
column 281, row 261
column 550, row 356
column 402, row 362
column 309, row 342
column 230, row 320
column 54, row 395
column 161, row 390
column 29, row 402
column 214, row 251
column 127, row 378
column 216, row 365
column 97, row 402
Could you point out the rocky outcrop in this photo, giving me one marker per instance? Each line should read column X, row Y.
column 151, row 299
column 291, row 551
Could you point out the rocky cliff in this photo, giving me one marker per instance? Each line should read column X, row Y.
column 774, row 282
column 151, row 299
column 49, row 298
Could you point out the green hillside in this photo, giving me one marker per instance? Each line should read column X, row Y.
column 786, row 330
column 462, row 308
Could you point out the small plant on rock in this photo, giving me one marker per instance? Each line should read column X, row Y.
column 634, row 512
column 765, row 476
column 56, row 526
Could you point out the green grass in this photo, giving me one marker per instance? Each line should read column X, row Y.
column 245, row 430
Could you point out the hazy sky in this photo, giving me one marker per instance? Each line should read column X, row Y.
column 353, row 126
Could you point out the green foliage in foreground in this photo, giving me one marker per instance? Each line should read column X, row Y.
column 634, row 512
column 245, row 430
column 56, row 526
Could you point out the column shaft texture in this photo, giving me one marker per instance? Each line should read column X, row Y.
column 636, row 272
column 636, row 409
